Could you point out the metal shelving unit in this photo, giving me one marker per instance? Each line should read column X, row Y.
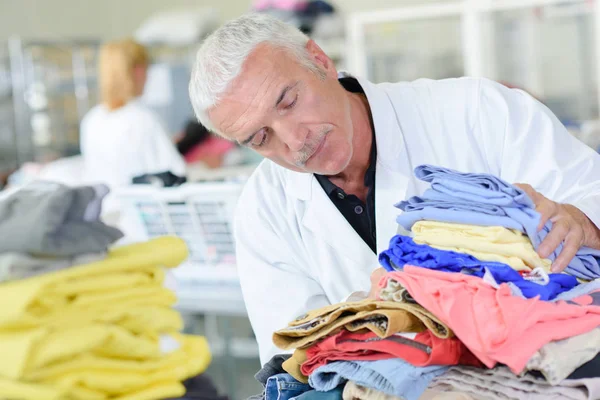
column 8, row 146
column 54, row 85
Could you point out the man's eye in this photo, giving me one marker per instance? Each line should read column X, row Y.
column 259, row 139
column 292, row 104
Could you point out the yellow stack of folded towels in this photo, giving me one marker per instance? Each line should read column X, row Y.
column 103, row 330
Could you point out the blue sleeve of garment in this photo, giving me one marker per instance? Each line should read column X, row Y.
column 403, row 250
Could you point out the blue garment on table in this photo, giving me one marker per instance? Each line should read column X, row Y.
column 334, row 394
column 579, row 290
column 431, row 198
column 480, row 188
column 483, row 199
column 284, row 387
column 392, row 376
column 403, row 250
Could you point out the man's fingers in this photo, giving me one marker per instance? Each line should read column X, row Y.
column 569, row 250
column 376, row 276
column 547, row 209
column 559, row 232
column 531, row 192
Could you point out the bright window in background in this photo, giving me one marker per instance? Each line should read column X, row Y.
column 408, row 50
column 549, row 52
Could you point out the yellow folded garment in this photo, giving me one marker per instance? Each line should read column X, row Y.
column 14, row 390
column 166, row 390
column 37, row 300
column 25, row 352
column 116, row 377
column 82, row 393
column 146, row 319
column 77, row 291
column 487, row 243
column 158, row 390
column 82, row 314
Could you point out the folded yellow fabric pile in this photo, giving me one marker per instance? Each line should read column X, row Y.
column 104, row 330
column 487, row 243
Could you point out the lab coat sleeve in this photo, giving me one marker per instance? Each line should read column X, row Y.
column 275, row 286
column 526, row 143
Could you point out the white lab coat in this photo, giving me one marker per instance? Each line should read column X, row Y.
column 124, row 143
column 295, row 250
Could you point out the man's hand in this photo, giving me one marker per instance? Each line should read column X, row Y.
column 569, row 225
column 376, row 276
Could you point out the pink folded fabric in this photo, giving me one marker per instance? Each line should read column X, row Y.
column 495, row 325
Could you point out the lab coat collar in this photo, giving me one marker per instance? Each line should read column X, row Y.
column 391, row 180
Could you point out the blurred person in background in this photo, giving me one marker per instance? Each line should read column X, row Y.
column 121, row 138
column 197, row 145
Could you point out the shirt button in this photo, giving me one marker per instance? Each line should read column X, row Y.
column 358, row 209
column 341, row 195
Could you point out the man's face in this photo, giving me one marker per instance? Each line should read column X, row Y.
column 287, row 113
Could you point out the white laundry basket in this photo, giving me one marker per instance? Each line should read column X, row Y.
column 202, row 215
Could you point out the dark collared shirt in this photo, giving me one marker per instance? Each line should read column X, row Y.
column 358, row 214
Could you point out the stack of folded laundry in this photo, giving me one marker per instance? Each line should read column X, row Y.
column 472, row 262
column 484, row 200
column 467, row 310
column 79, row 321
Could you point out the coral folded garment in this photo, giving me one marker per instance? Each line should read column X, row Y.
column 425, row 349
column 403, row 250
column 486, row 243
column 393, row 376
column 90, row 376
column 128, row 274
column 500, row 383
column 383, row 318
column 495, row 325
column 483, row 199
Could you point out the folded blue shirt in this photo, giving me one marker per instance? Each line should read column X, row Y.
column 394, row 376
column 579, row 290
column 481, row 188
column 482, row 199
column 403, row 250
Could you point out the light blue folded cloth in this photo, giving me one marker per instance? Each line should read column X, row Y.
column 483, row 199
column 393, row 376
column 480, row 188
column 579, row 290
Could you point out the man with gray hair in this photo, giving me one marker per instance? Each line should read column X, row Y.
column 341, row 152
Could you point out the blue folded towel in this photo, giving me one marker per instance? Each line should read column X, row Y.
column 403, row 250
column 394, row 376
column 480, row 188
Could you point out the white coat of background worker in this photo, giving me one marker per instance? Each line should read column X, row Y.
column 121, row 138
column 329, row 141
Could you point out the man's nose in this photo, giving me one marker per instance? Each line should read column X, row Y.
column 292, row 135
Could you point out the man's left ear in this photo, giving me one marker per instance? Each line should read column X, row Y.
column 320, row 58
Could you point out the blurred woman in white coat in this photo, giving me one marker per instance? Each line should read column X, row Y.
column 121, row 138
